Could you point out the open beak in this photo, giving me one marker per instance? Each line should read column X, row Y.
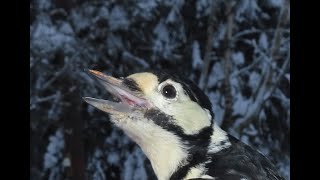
column 128, row 100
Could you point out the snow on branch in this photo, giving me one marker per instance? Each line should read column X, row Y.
column 205, row 68
column 59, row 73
column 130, row 57
column 270, row 79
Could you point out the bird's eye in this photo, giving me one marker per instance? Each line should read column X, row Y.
column 169, row 91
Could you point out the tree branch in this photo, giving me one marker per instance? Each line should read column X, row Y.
column 59, row 73
column 205, row 68
column 267, row 85
column 227, row 117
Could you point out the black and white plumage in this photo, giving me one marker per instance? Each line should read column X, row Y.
column 171, row 119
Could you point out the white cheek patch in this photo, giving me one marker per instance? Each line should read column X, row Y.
column 191, row 117
column 186, row 113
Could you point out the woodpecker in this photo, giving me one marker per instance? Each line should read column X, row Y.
column 171, row 119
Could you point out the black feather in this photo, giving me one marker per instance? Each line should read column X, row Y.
column 131, row 84
column 241, row 161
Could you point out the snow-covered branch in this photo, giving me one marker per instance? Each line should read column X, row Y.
column 130, row 57
column 205, row 68
column 56, row 75
column 227, row 120
column 269, row 81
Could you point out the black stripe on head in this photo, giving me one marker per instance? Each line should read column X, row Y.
column 131, row 84
column 190, row 88
column 167, row 122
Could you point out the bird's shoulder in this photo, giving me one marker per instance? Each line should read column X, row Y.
column 240, row 161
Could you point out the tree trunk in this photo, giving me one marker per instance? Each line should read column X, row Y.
column 74, row 125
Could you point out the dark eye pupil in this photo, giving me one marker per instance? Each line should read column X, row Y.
column 169, row 91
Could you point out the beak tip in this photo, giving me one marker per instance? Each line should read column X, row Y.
column 86, row 99
column 90, row 71
column 86, row 70
column 95, row 73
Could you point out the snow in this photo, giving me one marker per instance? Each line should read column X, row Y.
column 113, row 158
column 254, row 79
column 169, row 33
column 147, row 4
column 118, row 18
column 203, row 8
column 245, row 139
column 176, row 3
column 287, row 75
column 196, row 55
column 218, row 111
column 48, row 38
column 161, row 31
column 134, row 166
column 240, row 105
column 247, row 9
column 50, row 161
column 130, row 57
column 66, row 28
column 145, row 8
column 238, row 58
column 66, row 162
column 284, row 167
column 262, row 115
column 80, row 19
column 263, row 41
column 275, row 3
column 251, row 130
column 171, row 18
column 219, row 35
column 55, row 110
column 96, row 165
column 103, row 12
column 54, row 149
column 161, row 43
column 115, row 43
column 44, row 5
column 216, row 74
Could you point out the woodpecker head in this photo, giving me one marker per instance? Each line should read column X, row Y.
column 161, row 112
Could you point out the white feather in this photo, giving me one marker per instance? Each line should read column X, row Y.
column 164, row 149
column 217, row 137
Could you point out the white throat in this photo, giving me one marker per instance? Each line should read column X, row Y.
column 164, row 149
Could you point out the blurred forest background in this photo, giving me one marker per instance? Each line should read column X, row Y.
column 238, row 51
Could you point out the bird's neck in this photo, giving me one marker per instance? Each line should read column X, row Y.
column 164, row 149
column 165, row 160
column 201, row 155
column 169, row 154
column 165, row 155
column 219, row 140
